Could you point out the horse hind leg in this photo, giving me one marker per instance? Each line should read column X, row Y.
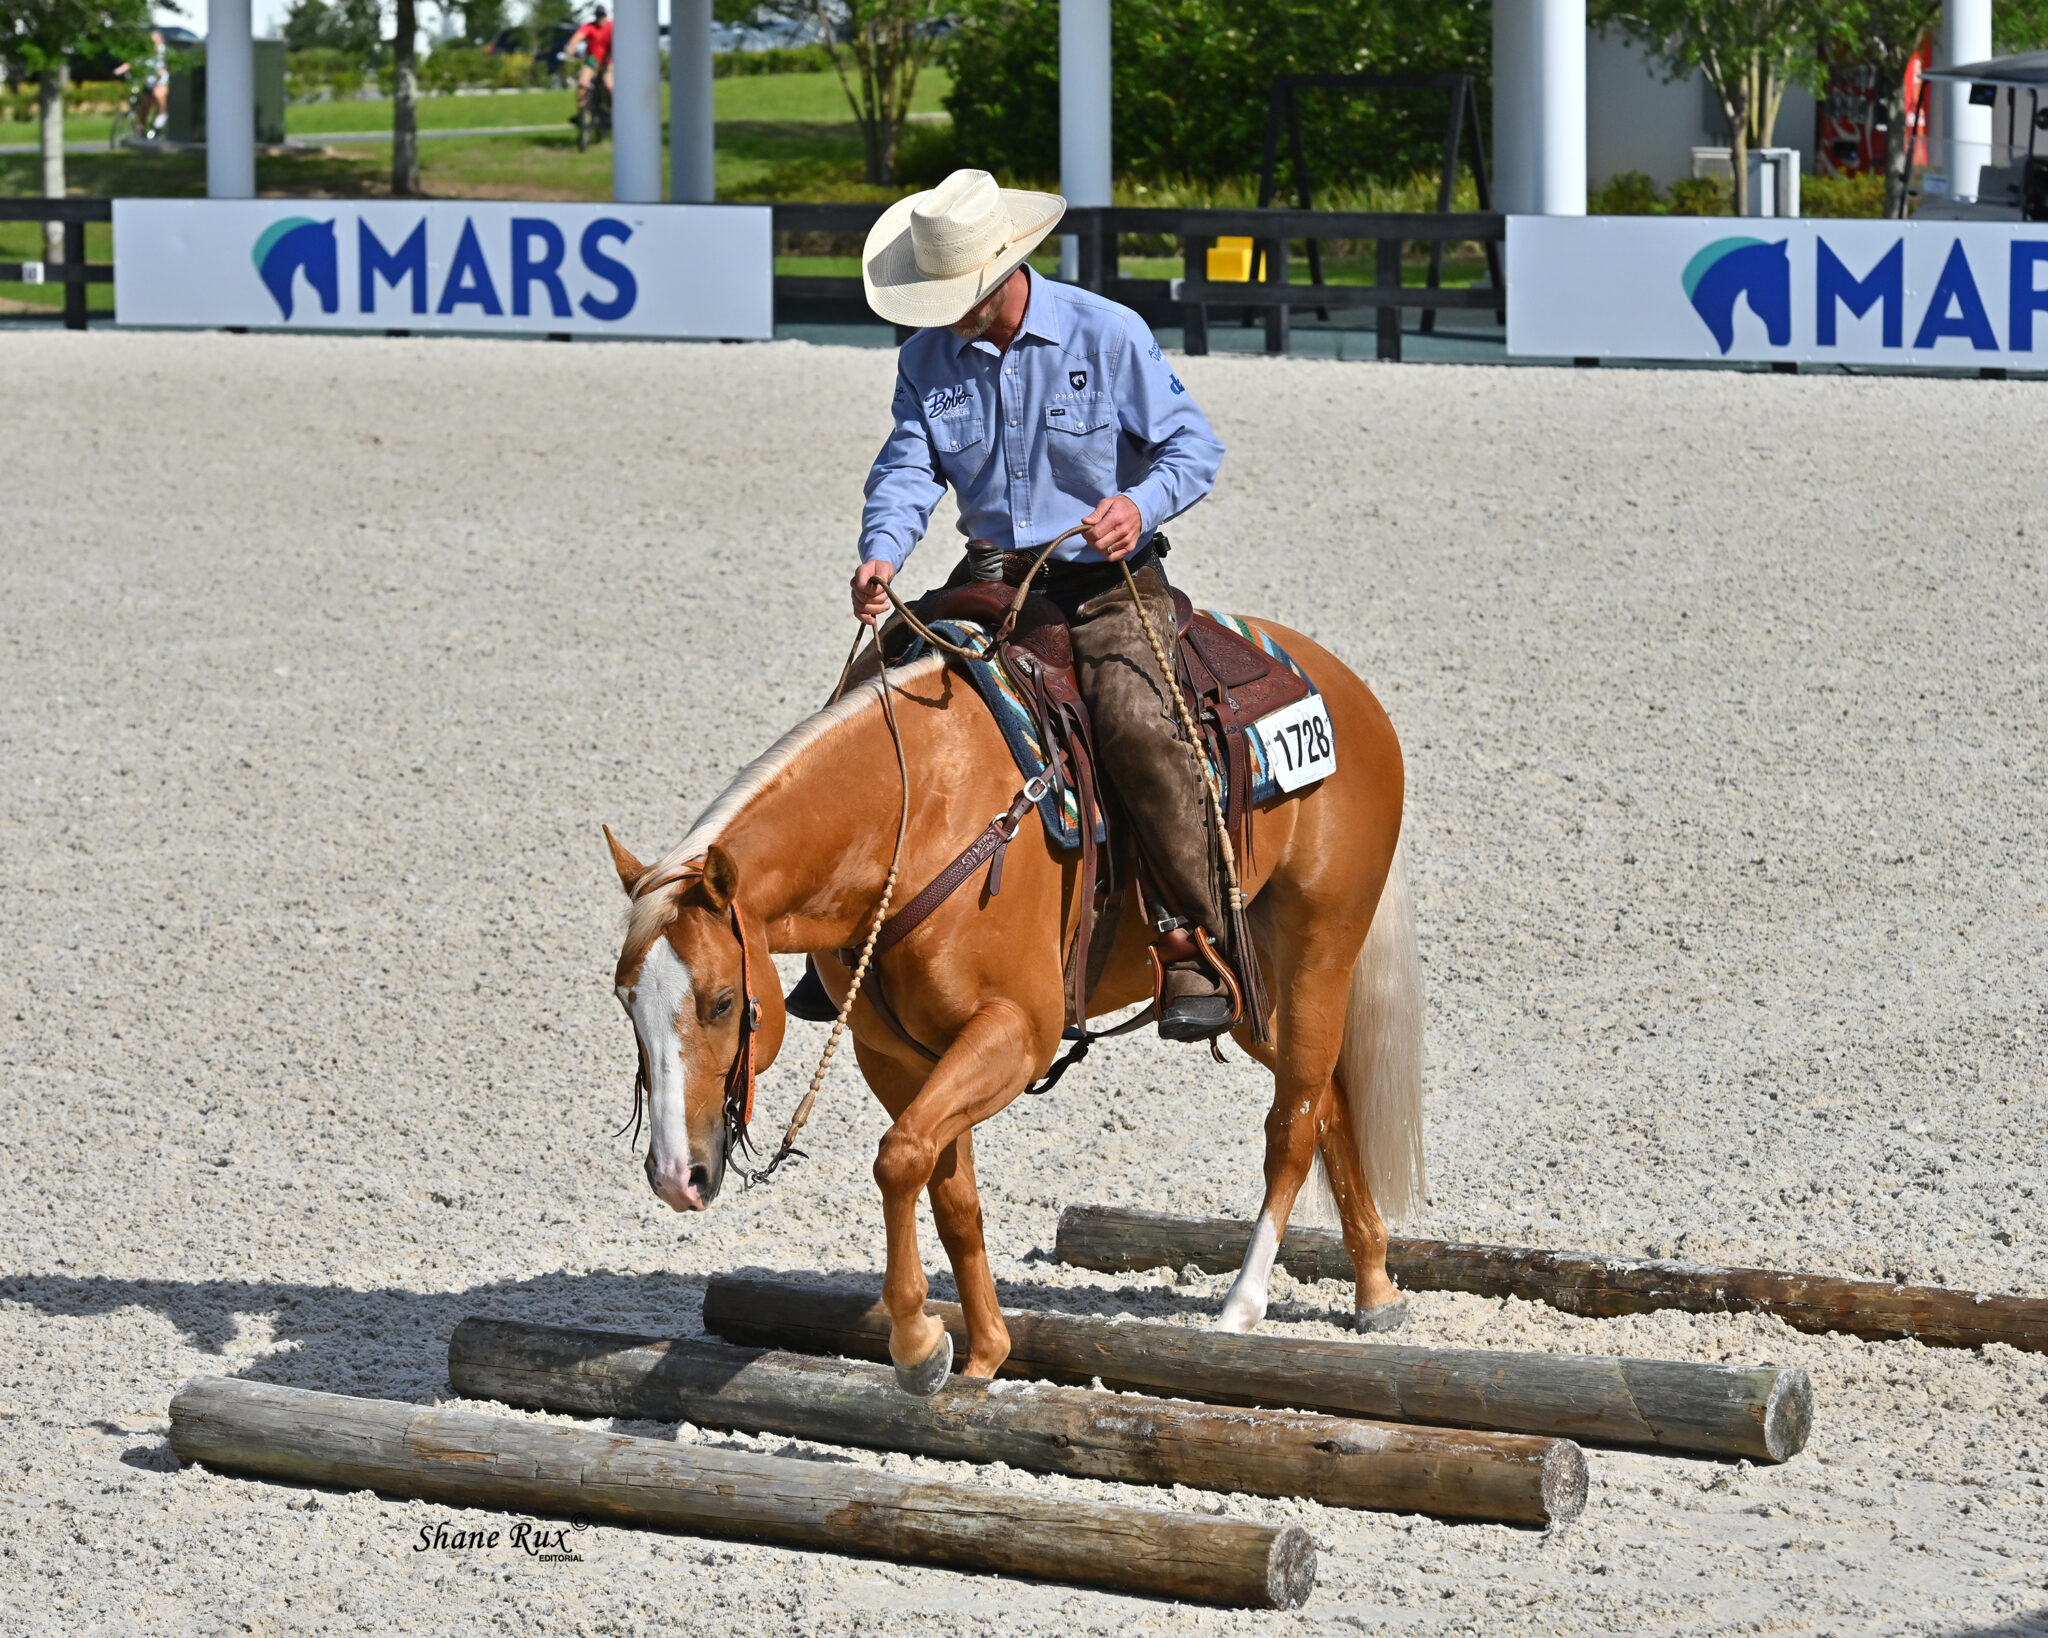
column 1372, row 1141
column 1303, row 1090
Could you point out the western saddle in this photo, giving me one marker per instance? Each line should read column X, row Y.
column 1228, row 682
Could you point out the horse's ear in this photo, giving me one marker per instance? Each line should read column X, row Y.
column 629, row 868
column 721, row 878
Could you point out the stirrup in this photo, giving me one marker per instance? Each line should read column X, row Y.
column 1192, row 944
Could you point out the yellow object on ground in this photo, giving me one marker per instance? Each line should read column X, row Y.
column 1231, row 260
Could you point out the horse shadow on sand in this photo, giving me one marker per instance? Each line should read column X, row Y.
column 389, row 1342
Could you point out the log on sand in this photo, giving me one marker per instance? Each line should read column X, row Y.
column 1506, row 1478
column 1117, row 1241
column 1761, row 1412
column 467, row 1460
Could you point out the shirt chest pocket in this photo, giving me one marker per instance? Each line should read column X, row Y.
column 961, row 442
column 1080, row 447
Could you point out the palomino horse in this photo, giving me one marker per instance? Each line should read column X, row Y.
column 793, row 857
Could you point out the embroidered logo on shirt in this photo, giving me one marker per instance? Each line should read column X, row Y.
column 1174, row 382
column 1157, row 356
column 1055, row 411
column 1078, row 379
column 944, row 400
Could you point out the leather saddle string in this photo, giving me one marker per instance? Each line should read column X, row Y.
column 867, row 950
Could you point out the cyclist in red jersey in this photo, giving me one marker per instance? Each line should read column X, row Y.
column 593, row 43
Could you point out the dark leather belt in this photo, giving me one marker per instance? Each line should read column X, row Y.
column 1065, row 574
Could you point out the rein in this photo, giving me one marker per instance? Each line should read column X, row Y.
column 740, row 1075
column 788, row 1146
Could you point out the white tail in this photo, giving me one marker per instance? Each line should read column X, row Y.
column 1379, row 1070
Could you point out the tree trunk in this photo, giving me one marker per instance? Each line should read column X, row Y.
column 405, row 141
column 1898, row 148
column 1738, row 156
column 50, row 108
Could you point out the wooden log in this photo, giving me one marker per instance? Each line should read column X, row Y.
column 1116, row 1241
column 1341, row 1462
column 468, row 1460
column 1762, row 1412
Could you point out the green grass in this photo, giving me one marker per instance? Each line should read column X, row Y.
column 771, row 99
column 779, row 136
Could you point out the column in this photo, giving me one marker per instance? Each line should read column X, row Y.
column 1539, row 106
column 1085, row 121
column 230, row 101
column 636, row 103
column 1965, row 38
column 691, row 139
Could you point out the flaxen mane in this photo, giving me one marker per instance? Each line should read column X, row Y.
column 652, row 911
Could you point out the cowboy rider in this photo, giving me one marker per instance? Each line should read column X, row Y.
column 1045, row 406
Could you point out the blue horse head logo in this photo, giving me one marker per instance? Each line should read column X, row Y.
column 294, row 244
column 1728, row 268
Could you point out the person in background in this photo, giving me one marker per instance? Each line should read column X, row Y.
column 593, row 43
column 152, row 90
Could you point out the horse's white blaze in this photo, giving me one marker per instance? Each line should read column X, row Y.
column 1246, row 1304
column 655, row 1000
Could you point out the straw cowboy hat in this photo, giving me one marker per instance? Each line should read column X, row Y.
column 933, row 256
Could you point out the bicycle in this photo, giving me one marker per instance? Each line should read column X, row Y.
column 132, row 121
column 594, row 117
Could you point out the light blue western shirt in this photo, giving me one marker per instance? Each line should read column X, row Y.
column 1081, row 407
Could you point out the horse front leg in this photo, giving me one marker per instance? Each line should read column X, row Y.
column 982, row 1071
column 956, row 1212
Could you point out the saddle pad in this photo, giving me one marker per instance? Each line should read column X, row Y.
column 1264, row 786
column 1058, row 809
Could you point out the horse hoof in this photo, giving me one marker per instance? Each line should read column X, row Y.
column 1389, row 1316
column 929, row 1375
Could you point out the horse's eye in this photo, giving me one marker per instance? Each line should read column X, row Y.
column 721, row 1007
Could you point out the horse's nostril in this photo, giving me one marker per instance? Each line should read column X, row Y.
column 700, row 1179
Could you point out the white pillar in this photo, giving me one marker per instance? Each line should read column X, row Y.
column 1085, row 120
column 1539, row 107
column 230, row 101
column 1965, row 38
column 691, row 138
column 636, row 103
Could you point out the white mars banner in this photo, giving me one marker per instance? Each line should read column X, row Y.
column 1971, row 294
column 451, row 265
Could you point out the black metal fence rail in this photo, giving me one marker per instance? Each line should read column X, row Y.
column 1188, row 299
column 800, row 298
column 74, row 272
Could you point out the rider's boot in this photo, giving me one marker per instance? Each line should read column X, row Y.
column 1193, row 1004
column 1197, row 1000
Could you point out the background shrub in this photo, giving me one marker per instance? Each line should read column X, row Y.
column 1842, row 195
column 1192, row 78
column 1702, row 196
column 1626, row 193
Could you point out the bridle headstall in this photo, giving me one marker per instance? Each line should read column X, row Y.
column 739, row 1074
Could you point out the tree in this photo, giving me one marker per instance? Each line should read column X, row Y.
column 42, row 36
column 1885, row 34
column 878, row 48
column 1191, row 79
column 353, row 26
column 405, row 130
column 1747, row 49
